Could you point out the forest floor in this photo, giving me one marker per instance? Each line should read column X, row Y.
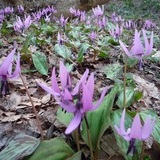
column 16, row 111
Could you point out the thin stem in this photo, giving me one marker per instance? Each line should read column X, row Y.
column 142, row 152
column 89, row 138
column 77, row 139
column 124, row 82
column 34, row 109
column 96, row 154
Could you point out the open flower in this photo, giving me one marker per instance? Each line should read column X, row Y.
column 137, row 130
column 77, row 100
column 21, row 25
column 98, row 11
column 6, row 71
column 138, row 50
column 116, row 32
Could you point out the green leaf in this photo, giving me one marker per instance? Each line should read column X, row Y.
column 54, row 149
column 129, row 97
column 63, row 51
column 64, row 117
column 5, row 30
column 113, row 71
column 82, row 51
column 76, row 156
column 99, row 120
column 19, row 146
column 27, row 43
column 40, row 62
column 156, row 130
column 121, row 142
column 113, row 42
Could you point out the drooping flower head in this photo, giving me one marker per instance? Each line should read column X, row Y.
column 6, row 71
column 138, row 49
column 137, row 130
column 116, row 32
column 98, row 11
column 77, row 100
column 21, row 25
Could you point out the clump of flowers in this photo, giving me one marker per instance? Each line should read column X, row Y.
column 77, row 100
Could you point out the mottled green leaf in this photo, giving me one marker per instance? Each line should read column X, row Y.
column 82, row 51
column 113, row 71
column 40, row 62
column 129, row 97
column 19, row 146
column 63, row 51
column 54, row 149
column 64, row 117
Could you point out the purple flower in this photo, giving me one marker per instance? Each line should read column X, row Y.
column 63, row 21
column 83, row 16
column 8, row 10
column 116, row 32
column 1, row 18
column 65, row 82
column 102, row 22
column 75, row 12
column 6, row 71
column 92, row 36
column 20, row 8
column 84, row 104
column 98, row 11
column 37, row 15
column 137, row 130
column 20, row 25
column 60, row 39
column 77, row 100
column 148, row 24
column 138, row 50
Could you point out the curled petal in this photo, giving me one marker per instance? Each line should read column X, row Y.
column 125, row 49
column 54, row 82
column 86, row 99
column 17, row 69
column 136, row 128
column 63, row 75
column 100, row 100
column 48, row 89
column 148, row 127
column 7, row 62
column 83, row 79
column 90, row 84
column 75, row 122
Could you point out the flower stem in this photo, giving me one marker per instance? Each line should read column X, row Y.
column 124, row 83
column 89, row 137
column 142, row 152
column 77, row 139
column 34, row 109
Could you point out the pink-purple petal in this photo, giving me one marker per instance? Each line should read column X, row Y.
column 125, row 49
column 136, row 128
column 147, row 127
column 7, row 62
column 54, row 81
column 63, row 75
column 75, row 122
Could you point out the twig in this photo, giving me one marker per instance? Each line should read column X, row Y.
column 34, row 109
